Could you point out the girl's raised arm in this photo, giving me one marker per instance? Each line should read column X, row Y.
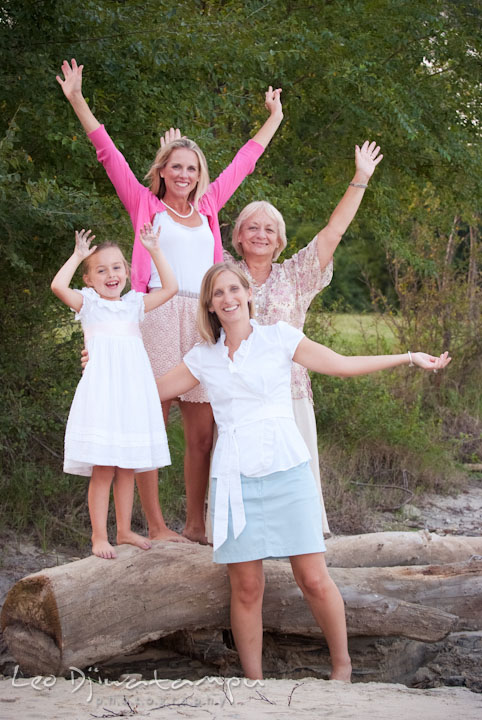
column 71, row 85
column 321, row 359
column 150, row 240
column 60, row 285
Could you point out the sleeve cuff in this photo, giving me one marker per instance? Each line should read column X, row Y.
column 99, row 137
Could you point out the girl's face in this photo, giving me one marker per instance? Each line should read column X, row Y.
column 230, row 299
column 181, row 173
column 107, row 273
column 258, row 236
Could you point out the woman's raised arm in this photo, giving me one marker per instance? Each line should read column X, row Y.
column 273, row 105
column 71, row 85
column 366, row 159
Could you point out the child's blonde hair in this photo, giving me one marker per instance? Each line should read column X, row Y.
column 103, row 246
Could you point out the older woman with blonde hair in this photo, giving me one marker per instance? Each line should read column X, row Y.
column 183, row 207
column 264, row 494
column 285, row 290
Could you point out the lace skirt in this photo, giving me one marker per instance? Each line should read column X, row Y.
column 169, row 332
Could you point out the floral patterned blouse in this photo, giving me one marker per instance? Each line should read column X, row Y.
column 286, row 295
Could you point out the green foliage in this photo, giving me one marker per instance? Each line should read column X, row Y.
column 406, row 74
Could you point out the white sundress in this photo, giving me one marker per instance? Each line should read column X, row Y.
column 116, row 415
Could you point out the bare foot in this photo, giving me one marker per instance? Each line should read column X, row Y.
column 169, row 535
column 342, row 672
column 132, row 538
column 196, row 535
column 103, row 549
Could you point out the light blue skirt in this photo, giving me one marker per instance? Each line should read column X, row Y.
column 283, row 517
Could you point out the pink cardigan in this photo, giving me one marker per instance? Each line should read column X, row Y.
column 142, row 205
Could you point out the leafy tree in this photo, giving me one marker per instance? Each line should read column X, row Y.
column 406, row 74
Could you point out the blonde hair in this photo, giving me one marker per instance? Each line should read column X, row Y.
column 208, row 322
column 275, row 215
column 103, row 246
column 157, row 185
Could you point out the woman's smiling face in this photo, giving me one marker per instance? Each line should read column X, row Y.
column 229, row 298
column 181, row 172
column 258, row 235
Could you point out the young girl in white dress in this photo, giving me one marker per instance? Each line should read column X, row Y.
column 115, row 426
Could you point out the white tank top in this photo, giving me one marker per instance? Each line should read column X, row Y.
column 189, row 251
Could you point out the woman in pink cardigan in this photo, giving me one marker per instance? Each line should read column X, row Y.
column 183, row 207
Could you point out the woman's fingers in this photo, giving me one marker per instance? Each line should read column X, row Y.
column 169, row 136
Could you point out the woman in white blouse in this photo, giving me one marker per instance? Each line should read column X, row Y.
column 265, row 497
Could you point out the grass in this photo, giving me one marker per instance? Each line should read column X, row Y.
column 352, row 332
column 359, row 330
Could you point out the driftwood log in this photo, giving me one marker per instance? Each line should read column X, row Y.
column 85, row 612
column 387, row 549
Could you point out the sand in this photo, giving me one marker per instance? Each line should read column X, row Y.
column 78, row 699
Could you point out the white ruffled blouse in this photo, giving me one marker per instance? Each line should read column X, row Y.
column 251, row 400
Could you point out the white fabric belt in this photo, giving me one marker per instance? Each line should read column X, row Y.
column 228, row 486
column 117, row 329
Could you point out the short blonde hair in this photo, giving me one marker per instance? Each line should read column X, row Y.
column 208, row 322
column 247, row 212
column 157, row 185
column 104, row 246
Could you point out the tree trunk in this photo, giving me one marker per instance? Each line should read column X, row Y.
column 386, row 549
column 91, row 610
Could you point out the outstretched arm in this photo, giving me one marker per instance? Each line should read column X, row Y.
column 150, row 240
column 273, row 105
column 71, row 85
column 176, row 382
column 60, row 285
column 321, row 359
column 366, row 159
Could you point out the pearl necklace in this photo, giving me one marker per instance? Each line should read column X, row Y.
column 184, row 217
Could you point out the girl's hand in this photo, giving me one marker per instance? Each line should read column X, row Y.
column 72, row 82
column 149, row 238
column 272, row 101
column 170, row 135
column 429, row 362
column 367, row 158
column 82, row 244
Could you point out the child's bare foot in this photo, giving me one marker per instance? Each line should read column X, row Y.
column 103, row 549
column 169, row 535
column 342, row 672
column 132, row 538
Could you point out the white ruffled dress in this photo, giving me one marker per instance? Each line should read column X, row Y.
column 116, row 415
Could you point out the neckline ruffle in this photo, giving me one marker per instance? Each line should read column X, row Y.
column 244, row 346
column 112, row 305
